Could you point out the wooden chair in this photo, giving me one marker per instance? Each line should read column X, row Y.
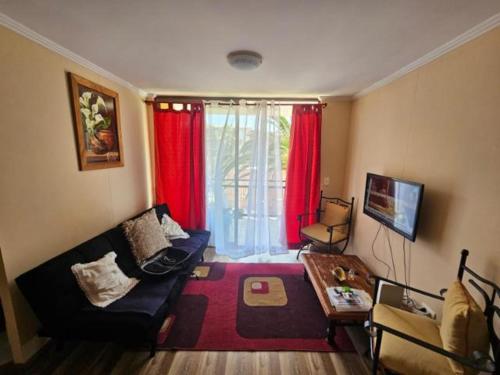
column 333, row 223
column 408, row 343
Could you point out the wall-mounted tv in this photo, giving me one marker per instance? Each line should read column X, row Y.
column 394, row 202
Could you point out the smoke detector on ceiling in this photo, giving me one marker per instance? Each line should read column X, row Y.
column 244, row 60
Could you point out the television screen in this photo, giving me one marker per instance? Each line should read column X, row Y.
column 394, row 202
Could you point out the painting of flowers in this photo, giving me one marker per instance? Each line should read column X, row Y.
column 96, row 112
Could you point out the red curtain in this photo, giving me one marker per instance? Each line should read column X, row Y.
column 180, row 162
column 302, row 179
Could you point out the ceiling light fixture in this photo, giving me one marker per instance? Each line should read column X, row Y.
column 244, row 60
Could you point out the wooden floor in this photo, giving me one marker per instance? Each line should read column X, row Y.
column 97, row 358
column 107, row 358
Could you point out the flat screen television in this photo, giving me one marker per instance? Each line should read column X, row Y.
column 394, row 202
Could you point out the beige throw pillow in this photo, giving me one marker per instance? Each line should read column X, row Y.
column 335, row 214
column 145, row 236
column 102, row 281
column 172, row 229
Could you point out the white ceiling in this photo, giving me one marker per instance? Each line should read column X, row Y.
column 315, row 47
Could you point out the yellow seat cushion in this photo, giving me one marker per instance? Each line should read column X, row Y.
column 463, row 326
column 319, row 232
column 335, row 214
column 404, row 356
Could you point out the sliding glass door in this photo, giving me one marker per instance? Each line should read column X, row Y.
column 246, row 151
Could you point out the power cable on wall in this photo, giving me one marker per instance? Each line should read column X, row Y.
column 407, row 274
column 375, row 255
column 406, row 263
column 392, row 254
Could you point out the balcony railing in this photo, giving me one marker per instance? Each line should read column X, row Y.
column 237, row 216
column 236, row 194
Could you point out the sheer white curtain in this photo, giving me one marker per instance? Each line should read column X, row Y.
column 244, row 178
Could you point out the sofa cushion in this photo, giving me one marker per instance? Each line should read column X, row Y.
column 145, row 236
column 102, row 281
column 123, row 326
column 126, row 319
column 145, row 298
column 403, row 356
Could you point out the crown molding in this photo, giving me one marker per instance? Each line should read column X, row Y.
column 335, row 98
column 70, row 55
column 467, row 36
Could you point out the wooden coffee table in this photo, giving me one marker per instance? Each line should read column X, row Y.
column 318, row 270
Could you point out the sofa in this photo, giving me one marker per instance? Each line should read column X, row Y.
column 65, row 313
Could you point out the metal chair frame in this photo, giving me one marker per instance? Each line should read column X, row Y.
column 330, row 228
column 479, row 361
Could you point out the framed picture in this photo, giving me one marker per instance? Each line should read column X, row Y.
column 96, row 111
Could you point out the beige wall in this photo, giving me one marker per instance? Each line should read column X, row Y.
column 334, row 136
column 439, row 125
column 46, row 204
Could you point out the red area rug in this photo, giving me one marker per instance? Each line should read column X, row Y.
column 247, row 306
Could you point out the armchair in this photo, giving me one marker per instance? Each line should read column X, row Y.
column 333, row 223
column 412, row 344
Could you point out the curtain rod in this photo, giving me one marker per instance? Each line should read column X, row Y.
column 228, row 100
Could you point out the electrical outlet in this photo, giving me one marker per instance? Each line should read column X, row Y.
column 326, row 181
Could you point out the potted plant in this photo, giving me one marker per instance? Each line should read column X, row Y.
column 100, row 138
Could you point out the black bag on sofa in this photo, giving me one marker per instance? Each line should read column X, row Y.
column 166, row 261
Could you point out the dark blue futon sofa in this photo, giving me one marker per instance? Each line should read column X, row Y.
column 65, row 313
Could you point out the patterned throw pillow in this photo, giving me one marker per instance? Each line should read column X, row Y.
column 102, row 281
column 171, row 228
column 145, row 236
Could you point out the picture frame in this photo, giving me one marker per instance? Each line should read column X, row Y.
column 96, row 115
